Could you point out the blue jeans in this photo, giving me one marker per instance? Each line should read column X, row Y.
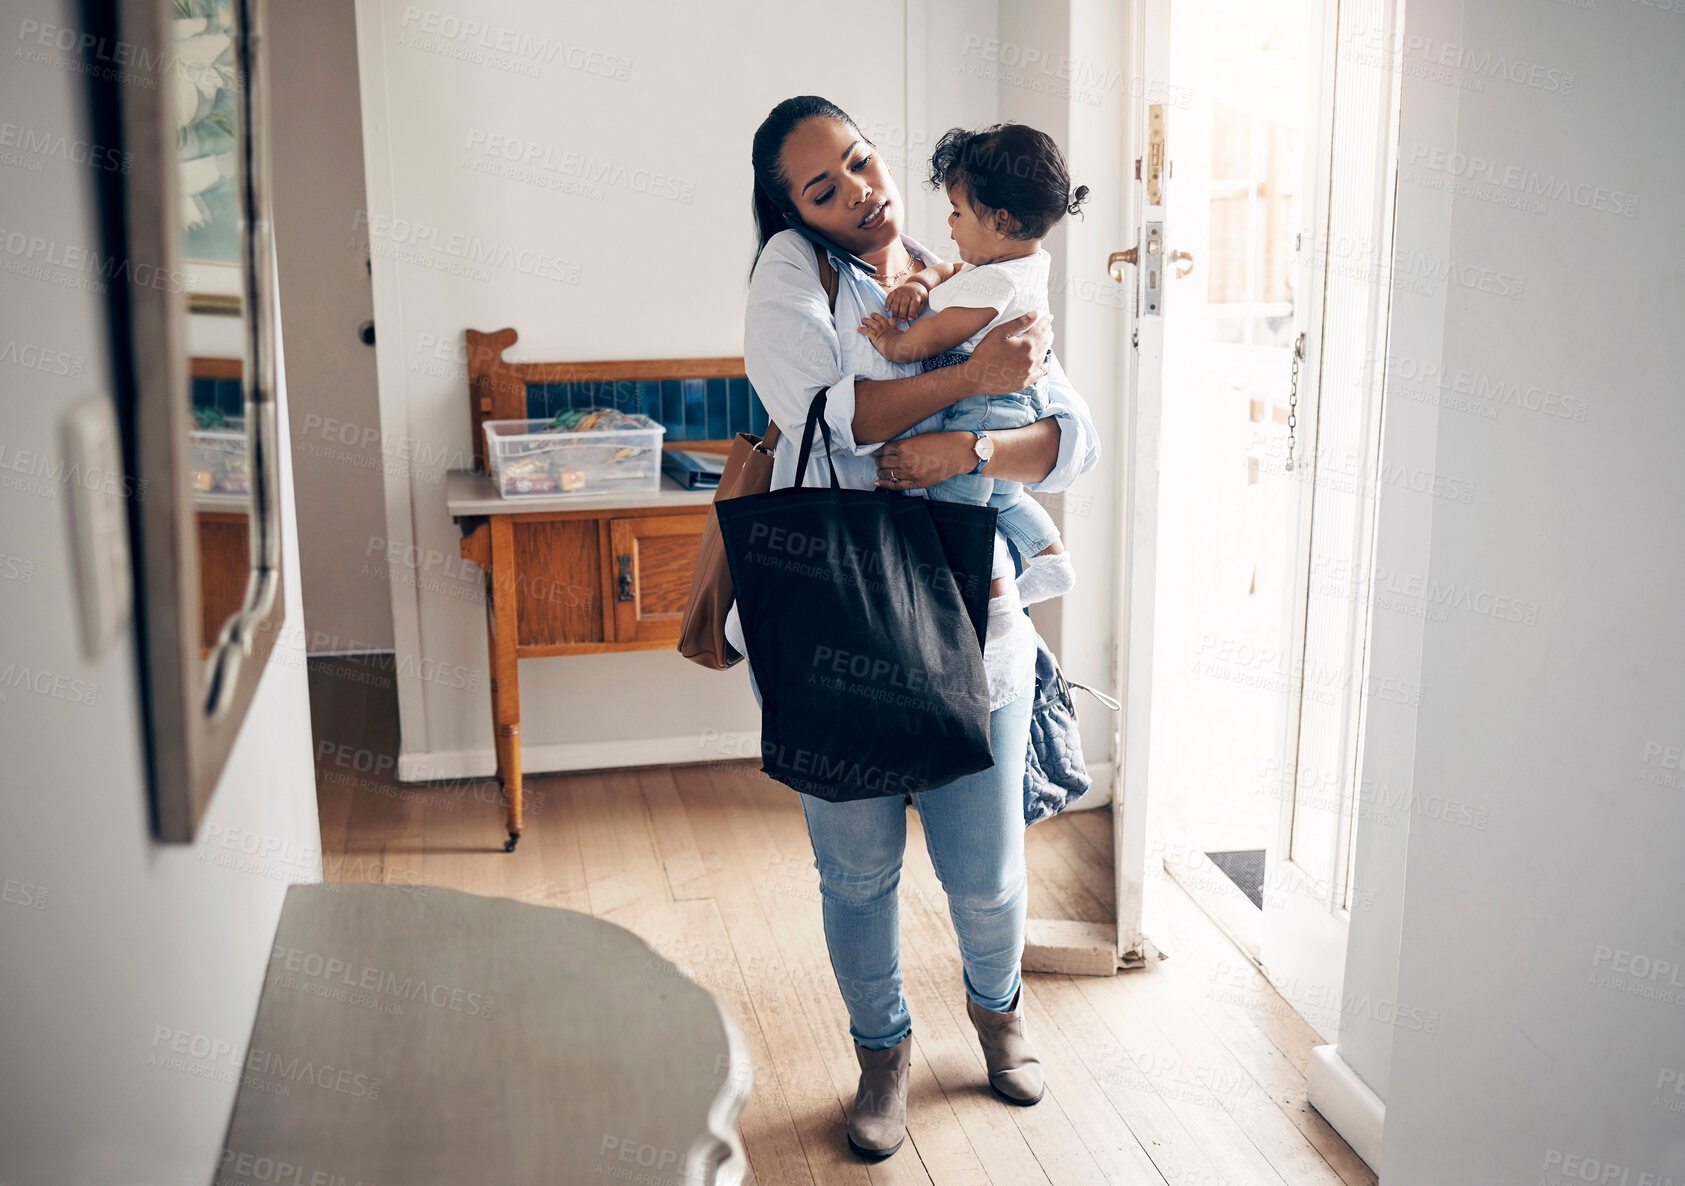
column 1022, row 520
column 974, row 832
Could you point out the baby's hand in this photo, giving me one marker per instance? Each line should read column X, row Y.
column 906, row 301
column 881, row 330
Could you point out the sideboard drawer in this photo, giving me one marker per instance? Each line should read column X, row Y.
column 654, row 557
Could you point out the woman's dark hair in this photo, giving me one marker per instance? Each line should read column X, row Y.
column 772, row 187
column 1012, row 168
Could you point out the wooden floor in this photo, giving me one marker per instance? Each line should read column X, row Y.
column 1190, row 1072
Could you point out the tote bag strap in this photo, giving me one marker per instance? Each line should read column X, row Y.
column 816, row 415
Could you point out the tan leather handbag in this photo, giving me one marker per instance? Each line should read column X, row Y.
column 748, row 470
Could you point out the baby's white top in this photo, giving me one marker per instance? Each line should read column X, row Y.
column 1011, row 287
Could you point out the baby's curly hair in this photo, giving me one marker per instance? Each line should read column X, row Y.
column 1011, row 168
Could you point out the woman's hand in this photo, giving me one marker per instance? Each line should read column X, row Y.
column 907, row 300
column 925, row 459
column 1009, row 358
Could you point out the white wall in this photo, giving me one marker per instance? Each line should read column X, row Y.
column 338, row 452
column 1092, row 322
column 623, row 272
column 108, row 938
column 1530, row 925
column 1063, row 68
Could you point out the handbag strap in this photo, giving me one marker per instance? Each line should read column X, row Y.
column 1108, row 701
column 828, row 280
column 827, row 275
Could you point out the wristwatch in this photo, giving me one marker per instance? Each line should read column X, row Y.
column 984, row 448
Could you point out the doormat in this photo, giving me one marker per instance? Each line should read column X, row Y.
column 1244, row 867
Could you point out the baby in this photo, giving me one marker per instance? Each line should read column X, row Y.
column 1008, row 186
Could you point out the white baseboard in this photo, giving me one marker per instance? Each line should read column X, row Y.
column 1345, row 1101
column 439, row 765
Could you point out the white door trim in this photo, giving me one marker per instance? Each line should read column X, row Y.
column 1138, row 445
column 1346, row 1102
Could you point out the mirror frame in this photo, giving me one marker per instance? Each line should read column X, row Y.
column 194, row 706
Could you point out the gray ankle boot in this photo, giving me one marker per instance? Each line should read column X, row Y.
column 1014, row 1069
column 877, row 1120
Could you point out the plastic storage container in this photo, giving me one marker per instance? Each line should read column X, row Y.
column 220, row 464
column 528, row 458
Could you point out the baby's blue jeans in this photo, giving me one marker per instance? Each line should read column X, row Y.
column 1022, row 521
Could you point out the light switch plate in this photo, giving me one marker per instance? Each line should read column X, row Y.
column 99, row 524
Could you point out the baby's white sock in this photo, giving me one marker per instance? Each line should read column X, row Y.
column 1046, row 576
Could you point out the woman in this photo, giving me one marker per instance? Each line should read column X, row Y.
column 813, row 166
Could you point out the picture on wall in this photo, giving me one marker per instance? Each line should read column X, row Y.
column 205, row 100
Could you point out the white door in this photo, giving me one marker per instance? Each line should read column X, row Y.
column 1259, row 301
column 1305, row 922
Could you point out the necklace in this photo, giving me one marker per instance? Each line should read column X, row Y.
column 892, row 281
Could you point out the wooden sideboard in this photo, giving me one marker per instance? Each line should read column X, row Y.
column 222, row 520
column 580, row 573
column 225, row 562
column 572, row 575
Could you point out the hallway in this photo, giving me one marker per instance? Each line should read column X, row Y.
column 1187, row 1073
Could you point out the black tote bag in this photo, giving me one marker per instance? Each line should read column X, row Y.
column 863, row 612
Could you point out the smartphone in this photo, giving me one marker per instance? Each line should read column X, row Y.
column 807, row 232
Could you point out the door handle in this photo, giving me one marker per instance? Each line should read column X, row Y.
column 1185, row 262
column 625, row 563
column 1116, row 260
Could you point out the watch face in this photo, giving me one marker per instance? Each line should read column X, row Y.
column 985, row 447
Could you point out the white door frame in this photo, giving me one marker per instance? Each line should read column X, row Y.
column 1138, row 445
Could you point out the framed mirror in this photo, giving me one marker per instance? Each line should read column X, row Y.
column 195, row 316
